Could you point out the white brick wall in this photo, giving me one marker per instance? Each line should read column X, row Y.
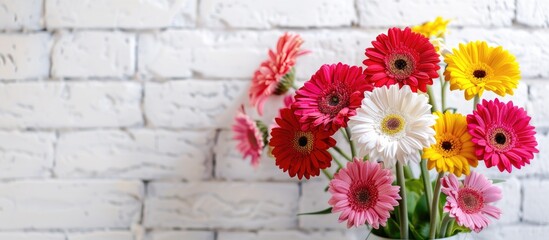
column 115, row 115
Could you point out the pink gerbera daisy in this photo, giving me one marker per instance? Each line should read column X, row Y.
column 276, row 75
column 402, row 57
column 331, row 96
column 249, row 136
column 363, row 193
column 502, row 134
column 470, row 203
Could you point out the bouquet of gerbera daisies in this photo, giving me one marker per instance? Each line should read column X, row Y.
column 389, row 117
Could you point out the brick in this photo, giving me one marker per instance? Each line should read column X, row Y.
column 89, row 54
column 538, row 105
column 517, row 231
column 66, row 105
column 31, row 236
column 26, row 154
column 174, row 104
column 102, row 235
column 24, row 56
column 295, row 235
column 21, row 15
column 221, row 205
column 534, row 206
column 533, row 13
column 62, row 204
column 510, row 203
column 140, row 153
column 120, row 14
column 267, row 14
column 314, row 199
column 383, row 13
column 178, row 235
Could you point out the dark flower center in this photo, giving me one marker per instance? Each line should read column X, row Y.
column 393, row 123
column 500, row 138
column 302, row 141
column 479, row 73
column 470, row 201
column 363, row 196
column 446, row 145
column 400, row 64
column 333, row 101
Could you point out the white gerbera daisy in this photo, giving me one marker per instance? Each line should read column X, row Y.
column 393, row 124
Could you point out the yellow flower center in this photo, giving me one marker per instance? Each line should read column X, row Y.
column 448, row 145
column 392, row 124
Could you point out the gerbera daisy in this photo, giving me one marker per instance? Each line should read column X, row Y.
column 475, row 67
column 502, row 135
column 402, row 57
column 300, row 152
column 249, row 136
column 435, row 28
column 470, row 203
column 363, row 193
column 393, row 124
column 276, row 75
column 453, row 151
column 331, row 96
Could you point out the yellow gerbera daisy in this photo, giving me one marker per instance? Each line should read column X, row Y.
column 475, row 67
column 453, row 151
column 435, row 28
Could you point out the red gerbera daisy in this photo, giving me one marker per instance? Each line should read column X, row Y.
column 502, row 134
column 331, row 96
column 402, row 57
column 301, row 153
column 276, row 75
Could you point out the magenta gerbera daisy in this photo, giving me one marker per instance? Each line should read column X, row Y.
column 331, row 96
column 249, row 136
column 470, row 203
column 402, row 57
column 502, row 135
column 363, row 193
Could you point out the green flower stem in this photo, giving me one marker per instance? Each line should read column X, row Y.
column 327, row 174
column 351, row 143
column 402, row 203
column 408, row 172
column 476, row 100
column 434, row 207
column 431, row 99
column 427, row 183
column 443, row 95
column 339, row 165
column 444, row 226
column 343, row 154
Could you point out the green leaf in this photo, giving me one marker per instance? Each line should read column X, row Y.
column 325, row 211
column 412, row 199
column 455, row 229
column 421, row 211
column 495, row 181
column 392, row 229
column 415, row 233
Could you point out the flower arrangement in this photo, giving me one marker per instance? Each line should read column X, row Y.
column 389, row 117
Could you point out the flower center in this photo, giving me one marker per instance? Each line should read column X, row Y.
column 333, row 100
column 303, row 142
column 400, row 64
column 448, row 145
column 362, row 196
column 392, row 124
column 470, row 201
column 501, row 139
column 479, row 73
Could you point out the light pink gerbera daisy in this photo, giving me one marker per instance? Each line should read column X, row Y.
column 249, row 136
column 363, row 193
column 276, row 75
column 502, row 134
column 331, row 96
column 470, row 203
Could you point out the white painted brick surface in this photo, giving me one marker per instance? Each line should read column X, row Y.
column 284, row 13
column 294, row 235
column 93, row 54
column 24, row 56
column 26, row 154
column 196, row 104
column 314, row 199
column 221, row 205
column 102, row 235
column 388, row 13
column 533, row 13
column 535, row 207
column 21, row 14
column 538, row 104
column 31, row 236
column 142, row 14
column 69, row 105
column 65, row 204
column 141, row 154
column 179, row 235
